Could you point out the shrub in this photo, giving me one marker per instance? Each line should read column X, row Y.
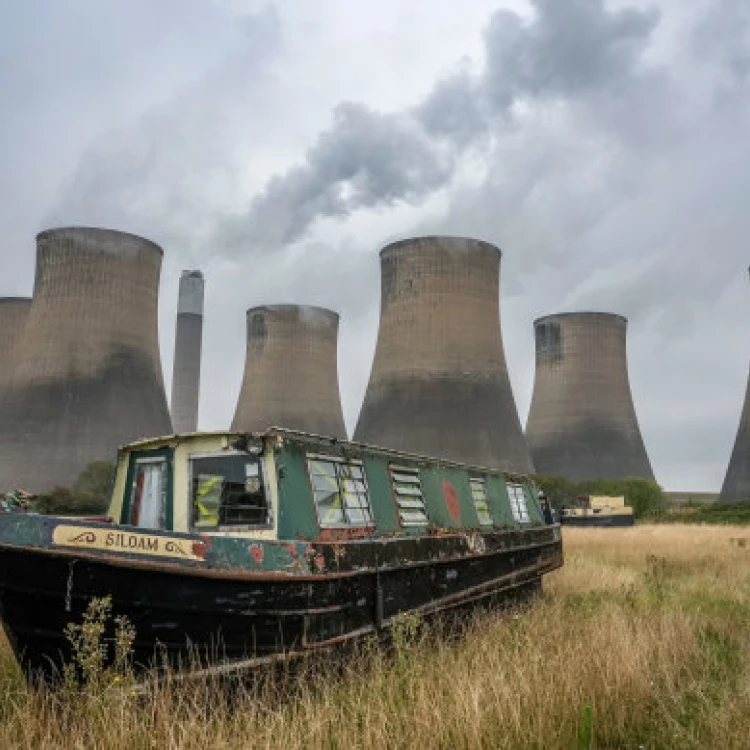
column 88, row 496
column 95, row 482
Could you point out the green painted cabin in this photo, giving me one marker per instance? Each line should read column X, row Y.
column 286, row 485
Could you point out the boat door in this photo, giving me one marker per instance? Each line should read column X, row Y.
column 147, row 505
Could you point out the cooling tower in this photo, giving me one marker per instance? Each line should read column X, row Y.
column 291, row 377
column 88, row 375
column 737, row 480
column 582, row 422
column 439, row 383
column 14, row 312
column 186, row 373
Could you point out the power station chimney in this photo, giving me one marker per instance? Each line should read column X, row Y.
column 582, row 422
column 439, row 382
column 291, row 376
column 14, row 311
column 88, row 375
column 736, row 484
column 186, row 373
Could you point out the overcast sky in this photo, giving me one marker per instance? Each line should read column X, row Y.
column 604, row 146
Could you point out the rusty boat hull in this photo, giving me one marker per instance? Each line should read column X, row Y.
column 603, row 521
column 225, row 599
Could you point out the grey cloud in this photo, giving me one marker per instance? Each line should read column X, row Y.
column 728, row 21
column 166, row 173
column 171, row 173
column 454, row 110
column 568, row 48
column 365, row 159
column 368, row 159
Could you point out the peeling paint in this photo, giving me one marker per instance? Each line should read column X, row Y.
column 334, row 535
column 451, row 500
column 291, row 548
column 201, row 546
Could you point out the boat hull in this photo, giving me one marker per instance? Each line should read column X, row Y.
column 598, row 520
column 182, row 612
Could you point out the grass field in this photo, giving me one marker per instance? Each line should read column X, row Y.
column 735, row 514
column 640, row 641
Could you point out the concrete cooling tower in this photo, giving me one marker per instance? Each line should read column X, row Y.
column 582, row 422
column 291, row 376
column 736, row 484
column 14, row 311
column 186, row 373
column 88, row 375
column 439, row 382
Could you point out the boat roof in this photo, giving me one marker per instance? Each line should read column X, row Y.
column 309, row 437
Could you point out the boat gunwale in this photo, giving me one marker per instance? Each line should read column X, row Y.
column 194, row 570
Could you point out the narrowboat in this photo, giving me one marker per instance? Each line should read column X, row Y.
column 241, row 547
column 598, row 510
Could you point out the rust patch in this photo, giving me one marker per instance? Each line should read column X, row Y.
column 257, row 553
column 451, row 500
column 441, row 531
column 200, row 548
column 337, row 535
column 291, row 548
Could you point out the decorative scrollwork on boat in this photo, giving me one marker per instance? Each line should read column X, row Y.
column 174, row 547
column 87, row 537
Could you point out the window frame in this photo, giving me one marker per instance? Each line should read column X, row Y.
column 339, row 460
column 149, row 456
column 269, row 523
column 520, row 513
column 400, row 468
column 482, row 482
column 161, row 462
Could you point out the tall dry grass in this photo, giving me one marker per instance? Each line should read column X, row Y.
column 641, row 640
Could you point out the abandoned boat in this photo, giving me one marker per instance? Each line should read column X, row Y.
column 243, row 547
column 598, row 510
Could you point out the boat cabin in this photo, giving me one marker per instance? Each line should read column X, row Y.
column 284, row 484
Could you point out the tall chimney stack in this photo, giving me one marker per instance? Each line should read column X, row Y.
column 186, row 372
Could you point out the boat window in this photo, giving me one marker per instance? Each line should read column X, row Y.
column 148, row 493
column 479, row 496
column 518, row 503
column 340, row 492
column 409, row 498
column 228, row 490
